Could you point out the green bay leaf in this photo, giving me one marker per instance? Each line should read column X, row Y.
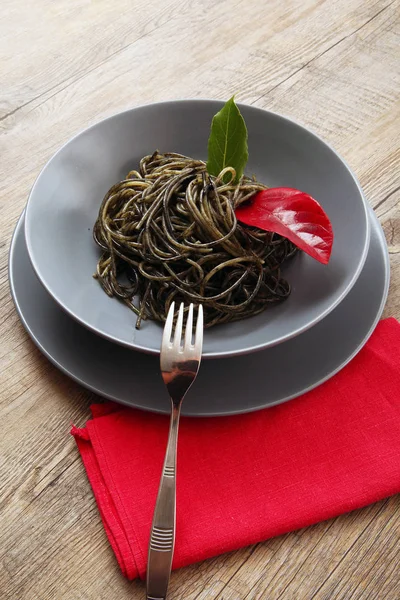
column 227, row 144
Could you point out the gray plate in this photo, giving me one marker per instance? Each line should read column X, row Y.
column 65, row 199
column 224, row 386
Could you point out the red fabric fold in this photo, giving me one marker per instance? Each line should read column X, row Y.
column 246, row 478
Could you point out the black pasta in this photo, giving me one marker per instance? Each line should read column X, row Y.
column 169, row 232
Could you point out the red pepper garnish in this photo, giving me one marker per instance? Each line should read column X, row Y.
column 294, row 215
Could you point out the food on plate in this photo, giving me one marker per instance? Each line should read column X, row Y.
column 185, row 230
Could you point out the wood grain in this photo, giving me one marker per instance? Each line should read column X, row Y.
column 334, row 66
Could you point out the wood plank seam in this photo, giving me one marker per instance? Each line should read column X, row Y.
column 324, row 52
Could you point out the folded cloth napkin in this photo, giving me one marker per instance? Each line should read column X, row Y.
column 246, row 478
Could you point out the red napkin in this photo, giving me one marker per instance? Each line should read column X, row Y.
column 246, row 478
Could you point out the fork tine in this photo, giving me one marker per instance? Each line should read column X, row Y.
column 178, row 329
column 166, row 338
column 198, row 339
column 189, row 327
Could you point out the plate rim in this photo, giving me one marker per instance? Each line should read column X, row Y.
column 207, row 355
column 286, row 398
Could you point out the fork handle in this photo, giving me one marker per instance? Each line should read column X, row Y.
column 162, row 538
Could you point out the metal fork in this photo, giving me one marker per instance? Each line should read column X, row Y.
column 179, row 367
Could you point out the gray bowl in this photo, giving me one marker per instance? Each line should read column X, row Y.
column 65, row 199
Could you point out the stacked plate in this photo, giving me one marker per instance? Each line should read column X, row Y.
column 254, row 363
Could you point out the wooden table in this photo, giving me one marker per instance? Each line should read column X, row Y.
column 66, row 64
